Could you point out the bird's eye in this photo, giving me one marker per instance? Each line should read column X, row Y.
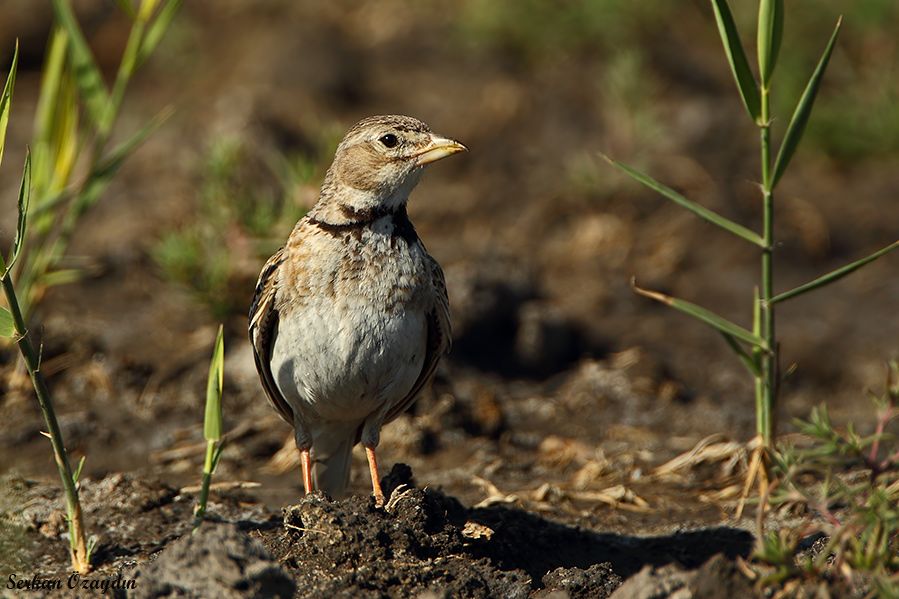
column 389, row 140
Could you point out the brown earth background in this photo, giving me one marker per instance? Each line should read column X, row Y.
column 562, row 381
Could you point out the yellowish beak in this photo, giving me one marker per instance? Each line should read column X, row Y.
column 440, row 147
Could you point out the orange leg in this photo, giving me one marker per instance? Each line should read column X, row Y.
column 375, row 477
column 306, row 461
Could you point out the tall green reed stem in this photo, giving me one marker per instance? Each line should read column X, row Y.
column 766, row 384
column 79, row 548
column 758, row 348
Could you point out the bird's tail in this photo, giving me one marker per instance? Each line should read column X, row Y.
column 332, row 457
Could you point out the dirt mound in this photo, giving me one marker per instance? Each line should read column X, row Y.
column 423, row 543
column 426, row 542
column 216, row 561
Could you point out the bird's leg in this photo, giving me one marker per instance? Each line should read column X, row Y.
column 306, row 462
column 375, row 477
column 303, row 439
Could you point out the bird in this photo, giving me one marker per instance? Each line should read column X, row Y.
column 351, row 316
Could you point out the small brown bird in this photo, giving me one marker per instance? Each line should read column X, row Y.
column 351, row 316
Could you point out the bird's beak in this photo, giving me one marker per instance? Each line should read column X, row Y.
column 440, row 147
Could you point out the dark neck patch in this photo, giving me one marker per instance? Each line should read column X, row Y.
column 402, row 226
column 357, row 220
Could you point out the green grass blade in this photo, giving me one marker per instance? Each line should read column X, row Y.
column 212, row 422
column 22, row 221
column 127, row 66
column 746, row 84
column 87, row 75
column 64, row 142
column 63, row 276
column 157, row 30
column 7, row 326
column 803, row 110
column 127, row 7
column 710, row 318
column 756, row 313
column 770, row 34
column 77, row 474
column 6, row 98
column 47, row 107
column 835, row 275
column 704, row 213
column 216, row 456
column 147, row 7
column 748, row 361
column 51, row 76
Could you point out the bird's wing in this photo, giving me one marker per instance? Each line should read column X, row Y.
column 263, row 329
column 439, row 338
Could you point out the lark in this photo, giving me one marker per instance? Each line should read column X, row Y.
column 351, row 316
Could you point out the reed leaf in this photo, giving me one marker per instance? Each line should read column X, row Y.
column 835, row 275
column 6, row 98
column 736, row 56
column 51, row 75
column 212, row 422
column 770, row 34
column 62, row 148
column 62, row 276
column 146, row 9
column 704, row 213
column 22, row 220
column 803, row 110
column 7, row 326
column 127, row 7
column 47, row 108
column 710, row 318
column 157, row 29
column 87, row 75
column 748, row 361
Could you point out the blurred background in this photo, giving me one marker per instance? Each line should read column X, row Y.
column 557, row 364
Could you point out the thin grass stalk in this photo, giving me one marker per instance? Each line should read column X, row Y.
column 212, row 424
column 208, row 470
column 759, row 378
column 78, row 543
column 764, row 420
column 127, row 66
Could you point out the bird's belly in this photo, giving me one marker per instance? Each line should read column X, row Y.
column 342, row 362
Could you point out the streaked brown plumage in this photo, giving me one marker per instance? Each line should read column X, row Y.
column 351, row 316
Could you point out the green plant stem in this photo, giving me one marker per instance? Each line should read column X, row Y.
column 79, row 550
column 208, row 468
column 768, row 383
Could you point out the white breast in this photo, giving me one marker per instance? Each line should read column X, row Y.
column 344, row 355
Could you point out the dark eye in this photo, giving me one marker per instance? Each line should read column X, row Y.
column 389, row 140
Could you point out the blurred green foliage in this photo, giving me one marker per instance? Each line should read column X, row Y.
column 857, row 117
column 75, row 155
column 250, row 199
column 535, row 29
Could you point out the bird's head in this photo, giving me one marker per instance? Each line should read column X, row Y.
column 380, row 161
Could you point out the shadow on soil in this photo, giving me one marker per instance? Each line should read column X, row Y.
column 425, row 541
column 422, row 541
column 525, row 541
